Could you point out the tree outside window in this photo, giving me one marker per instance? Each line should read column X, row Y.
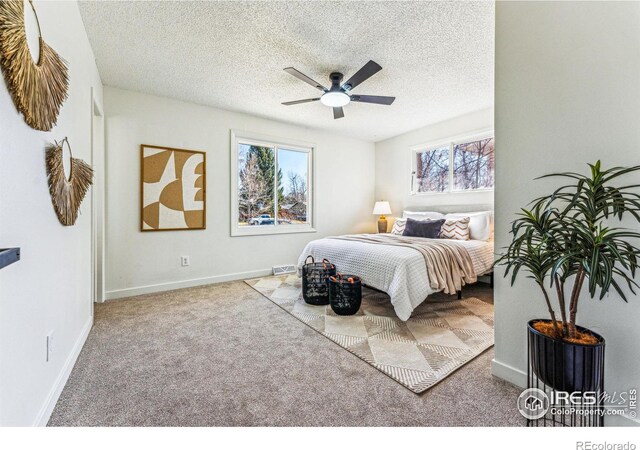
column 465, row 165
column 473, row 165
column 270, row 179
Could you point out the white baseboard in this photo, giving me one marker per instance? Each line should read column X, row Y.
column 47, row 408
column 519, row 378
column 130, row 292
column 509, row 373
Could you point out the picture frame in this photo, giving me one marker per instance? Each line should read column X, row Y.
column 173, row 189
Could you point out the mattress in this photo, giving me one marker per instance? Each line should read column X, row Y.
column 401, row 272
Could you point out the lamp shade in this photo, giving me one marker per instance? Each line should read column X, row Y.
column 382, row 208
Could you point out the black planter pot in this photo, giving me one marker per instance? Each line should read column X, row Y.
column 565, row 366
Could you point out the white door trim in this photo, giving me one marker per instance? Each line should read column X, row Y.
column 97, row 200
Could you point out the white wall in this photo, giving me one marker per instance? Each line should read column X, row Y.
column 50, row 288
column 144, row 262
column 567, row 93
column 393, row 165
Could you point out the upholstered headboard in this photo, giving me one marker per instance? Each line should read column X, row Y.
column 482, row 232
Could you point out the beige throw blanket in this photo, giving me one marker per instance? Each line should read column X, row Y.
column 448, row 264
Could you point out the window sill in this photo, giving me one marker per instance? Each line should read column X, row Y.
column 470, row 191
column 253, row 231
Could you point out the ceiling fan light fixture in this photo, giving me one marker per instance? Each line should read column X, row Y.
column 338, row 95
column 335, row 99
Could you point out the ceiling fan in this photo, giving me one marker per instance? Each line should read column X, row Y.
column 339, row 95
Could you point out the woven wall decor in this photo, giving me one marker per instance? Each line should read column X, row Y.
column 67, row 194
column 38, row 87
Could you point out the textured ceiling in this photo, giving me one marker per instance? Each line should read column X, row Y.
column 437, row 57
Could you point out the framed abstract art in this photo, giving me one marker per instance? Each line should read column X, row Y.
column 172, row 189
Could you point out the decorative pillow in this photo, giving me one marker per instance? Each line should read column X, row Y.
column 398, row 226
column 423, row 228
column 456, row 229
column 422, row 215
column 480, row 225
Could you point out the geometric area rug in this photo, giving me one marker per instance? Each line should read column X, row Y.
column 440, row 337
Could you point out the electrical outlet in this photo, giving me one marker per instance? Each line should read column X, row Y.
column 49, row 347
column 184, row 260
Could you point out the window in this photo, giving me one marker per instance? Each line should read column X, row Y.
column 460, row 165
column 271, row 185
column 473, row 165
column 432, row 170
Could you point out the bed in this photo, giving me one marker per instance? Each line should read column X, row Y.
column 398, row 270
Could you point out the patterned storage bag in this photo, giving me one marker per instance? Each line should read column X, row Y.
column 315, row 281
column 345, row 294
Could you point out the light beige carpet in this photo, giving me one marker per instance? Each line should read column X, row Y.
column 440, row 337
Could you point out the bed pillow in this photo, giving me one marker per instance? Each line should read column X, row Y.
column 422, row 215
column 480, row 224
column 456, row 229
column 423, row 228
column 398, row 226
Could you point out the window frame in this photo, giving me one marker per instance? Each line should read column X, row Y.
column 451, row 143
column 244, row 137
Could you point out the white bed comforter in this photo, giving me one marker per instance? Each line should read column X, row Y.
column 401, row 272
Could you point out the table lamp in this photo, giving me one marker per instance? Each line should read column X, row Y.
column 382, row 208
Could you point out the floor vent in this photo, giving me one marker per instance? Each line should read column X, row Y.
column 281, row 270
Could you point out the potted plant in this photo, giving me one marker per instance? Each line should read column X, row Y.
column 564, row 241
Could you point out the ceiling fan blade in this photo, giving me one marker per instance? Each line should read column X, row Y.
column 338, row 112
column 306, row 79
column 367, row 71
column 379, row 99
column 296, row 102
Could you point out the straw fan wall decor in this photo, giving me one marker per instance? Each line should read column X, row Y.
column 38, row 87
column 172, row 189
column 67, row 193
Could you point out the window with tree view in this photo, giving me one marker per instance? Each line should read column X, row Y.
column 432, row 170
column 465, row 165
column 272, row 187
column 473, row 165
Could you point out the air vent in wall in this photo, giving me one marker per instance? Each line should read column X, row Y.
column 281, row 270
